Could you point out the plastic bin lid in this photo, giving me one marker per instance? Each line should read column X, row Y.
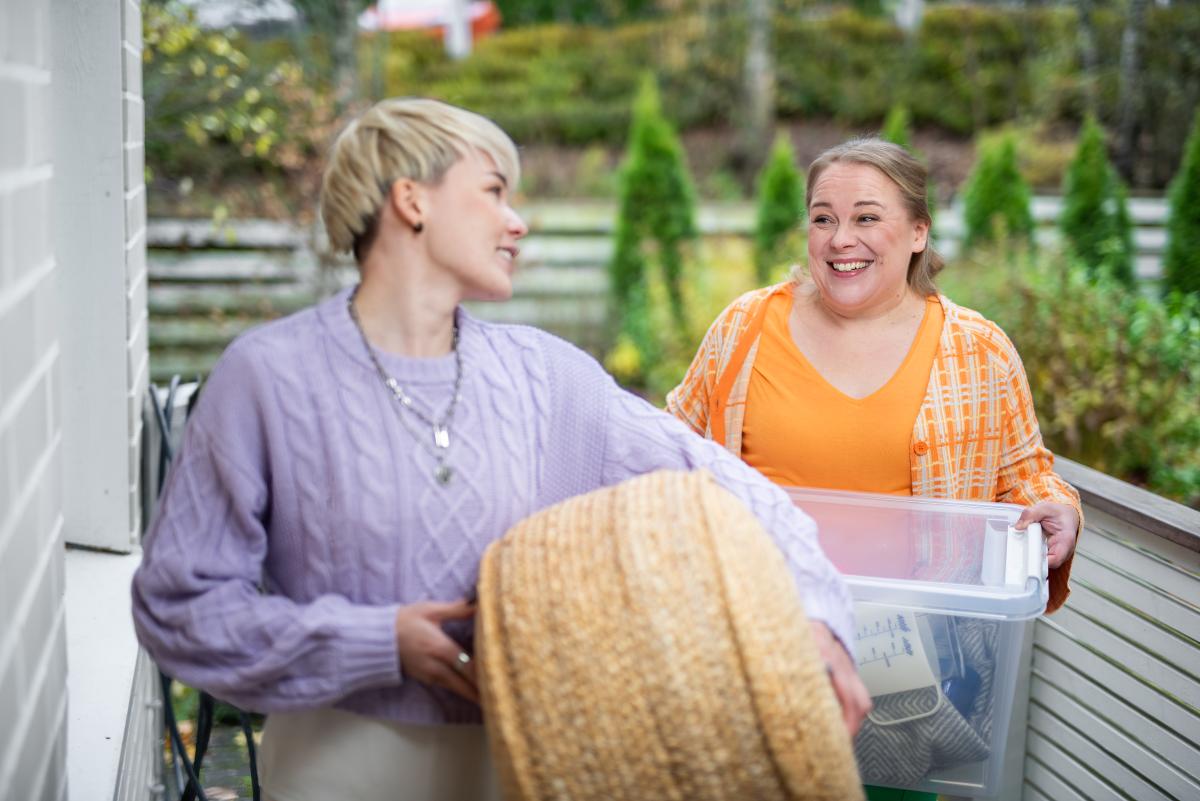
column 954, row 557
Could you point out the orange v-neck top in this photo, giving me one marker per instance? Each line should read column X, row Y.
column 799, row 430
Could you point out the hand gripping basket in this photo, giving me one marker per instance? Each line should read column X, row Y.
column 646, row 641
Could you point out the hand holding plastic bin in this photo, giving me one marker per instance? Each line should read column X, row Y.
column 938, row 626
column 1060, row 525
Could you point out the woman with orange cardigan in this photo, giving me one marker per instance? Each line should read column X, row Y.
column 857, row 375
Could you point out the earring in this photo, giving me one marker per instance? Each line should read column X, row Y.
column 418, row 227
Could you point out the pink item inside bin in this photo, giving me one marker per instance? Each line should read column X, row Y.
column 895, row 544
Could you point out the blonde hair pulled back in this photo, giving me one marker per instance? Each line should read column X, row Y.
column 910, row 177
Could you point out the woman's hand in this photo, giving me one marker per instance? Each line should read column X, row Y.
column 427, row 653
column 851, row 692
column 1059, row 523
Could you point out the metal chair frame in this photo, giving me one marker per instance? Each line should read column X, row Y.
column 185, row 771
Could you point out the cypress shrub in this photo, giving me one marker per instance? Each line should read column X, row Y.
column 1124, row 224
column 780, row 204
column 1181, row 263
column 896, row 127
column 656, row 204
column 1095, row 217
column 996, row 201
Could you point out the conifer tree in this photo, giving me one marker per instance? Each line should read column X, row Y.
column 1095, row 219
column 1181, row 262
column 780, row 206
column 656, row 202
column 997, row 199
column 1124, row 225
column 896, row 128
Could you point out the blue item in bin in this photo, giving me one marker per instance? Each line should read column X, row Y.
column 961, row 691
column 959, row 681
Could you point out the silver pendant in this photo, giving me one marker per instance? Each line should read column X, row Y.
column 441, row 436
column 443, row 474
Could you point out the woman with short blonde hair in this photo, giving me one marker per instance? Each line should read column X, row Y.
column 355, row 459
column 415, row 138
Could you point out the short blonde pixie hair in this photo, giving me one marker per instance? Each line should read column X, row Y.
column 407, row 137
column 909, row 176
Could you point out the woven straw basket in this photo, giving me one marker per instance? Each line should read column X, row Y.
column 646, row 641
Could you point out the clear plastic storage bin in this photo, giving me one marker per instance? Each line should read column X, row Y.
column 941, row 591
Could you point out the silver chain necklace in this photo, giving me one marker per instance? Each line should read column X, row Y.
column 440, row 428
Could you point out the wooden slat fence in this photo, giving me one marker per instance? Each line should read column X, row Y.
column 1114, row 704
column 207, row 284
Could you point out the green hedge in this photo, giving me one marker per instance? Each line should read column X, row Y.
column 969, row 67
column 552, row 83
column 845, row 65
column 1115, row 375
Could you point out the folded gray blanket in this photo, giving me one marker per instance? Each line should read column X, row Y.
column 958, row 731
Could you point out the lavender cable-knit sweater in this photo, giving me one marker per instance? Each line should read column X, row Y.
column 296, row 475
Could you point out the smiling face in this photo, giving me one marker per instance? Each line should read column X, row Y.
column 861, row 239
column 469, row 229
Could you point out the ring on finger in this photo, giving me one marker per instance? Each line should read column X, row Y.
column 461, row 661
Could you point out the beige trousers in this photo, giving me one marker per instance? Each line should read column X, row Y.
column 331, row 755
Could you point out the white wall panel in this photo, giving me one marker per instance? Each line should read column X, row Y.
column 32, row 642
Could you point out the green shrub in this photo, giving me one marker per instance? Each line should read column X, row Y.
column 780, row 205
column 1181, row 262
column 996, row 201
column 1115, row 375
column 969, row 69
column 549, row 83
column 1095, row 218
column 970, row 66
column 210, row 108
column 844, row 65
column 896, row 127
column 528, row 12
column 1045, row 154
column 720, row 270
column 228, row 131
column 656, row 205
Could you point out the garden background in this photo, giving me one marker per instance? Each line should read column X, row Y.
column 662, row 144
column 649, row 109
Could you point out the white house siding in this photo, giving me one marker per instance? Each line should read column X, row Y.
column 73, row 370
column 137, row 353
column 100, row 240
column 33, row 661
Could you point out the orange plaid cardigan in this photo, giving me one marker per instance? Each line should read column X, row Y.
column 976, row 436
